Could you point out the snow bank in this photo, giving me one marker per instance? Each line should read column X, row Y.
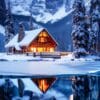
column 16, row 57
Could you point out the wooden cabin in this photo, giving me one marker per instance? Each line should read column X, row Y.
column 38, row 40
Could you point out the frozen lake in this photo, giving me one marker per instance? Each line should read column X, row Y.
column 71, row 76
column 48, row 68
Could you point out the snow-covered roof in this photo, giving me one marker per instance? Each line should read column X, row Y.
column 13, row 42
column 29, row 36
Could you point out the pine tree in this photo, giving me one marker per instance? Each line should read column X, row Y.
column 79, row 34
column 9, row 27
column 2, row 11
column 21, row 32
column 95, row 25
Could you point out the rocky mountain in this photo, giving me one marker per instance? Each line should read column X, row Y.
column 42, row 10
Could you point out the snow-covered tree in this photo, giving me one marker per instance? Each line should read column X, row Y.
column 95, row 25
column 21, row 32
column 9, row 27
column 80, row 34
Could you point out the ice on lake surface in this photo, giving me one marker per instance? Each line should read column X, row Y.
column 49, row 68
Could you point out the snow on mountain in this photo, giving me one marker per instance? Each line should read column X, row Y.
column 21, row 7
column 44, row 10
column 40, row 10
column 20, row 11
column 61, row 13
column 2, row 30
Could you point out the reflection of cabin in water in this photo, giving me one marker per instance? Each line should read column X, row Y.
column 38, row 40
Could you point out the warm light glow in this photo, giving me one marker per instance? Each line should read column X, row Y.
column 33, row 49
column 43, row 85
column 43, row 34
column 42, row 37
column 51, row 49
column 40, row 49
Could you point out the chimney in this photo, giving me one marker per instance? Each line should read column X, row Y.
column 21, row 32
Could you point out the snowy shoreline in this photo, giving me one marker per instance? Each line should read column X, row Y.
column 47, row 67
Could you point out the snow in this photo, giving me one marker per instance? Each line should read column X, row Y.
column 81, row 50
column 20, row 7
column 67, row 65
column 60, row 14
column 17, row 57
column 29, row 36
column 47, row 17
column 2, row 30
column 13, row 42
column 17, row 47
column 56, row 94
column 23, row 8
column 29, row 85
column 20, row 11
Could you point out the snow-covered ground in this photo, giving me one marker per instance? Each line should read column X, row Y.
column 29, row 65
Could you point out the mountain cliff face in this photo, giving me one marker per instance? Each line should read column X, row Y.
column 42, row 10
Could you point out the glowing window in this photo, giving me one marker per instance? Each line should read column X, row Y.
column 43, row 34
column 51, row 49
column 42, row 39
column 40, row 49
column 33, row 49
